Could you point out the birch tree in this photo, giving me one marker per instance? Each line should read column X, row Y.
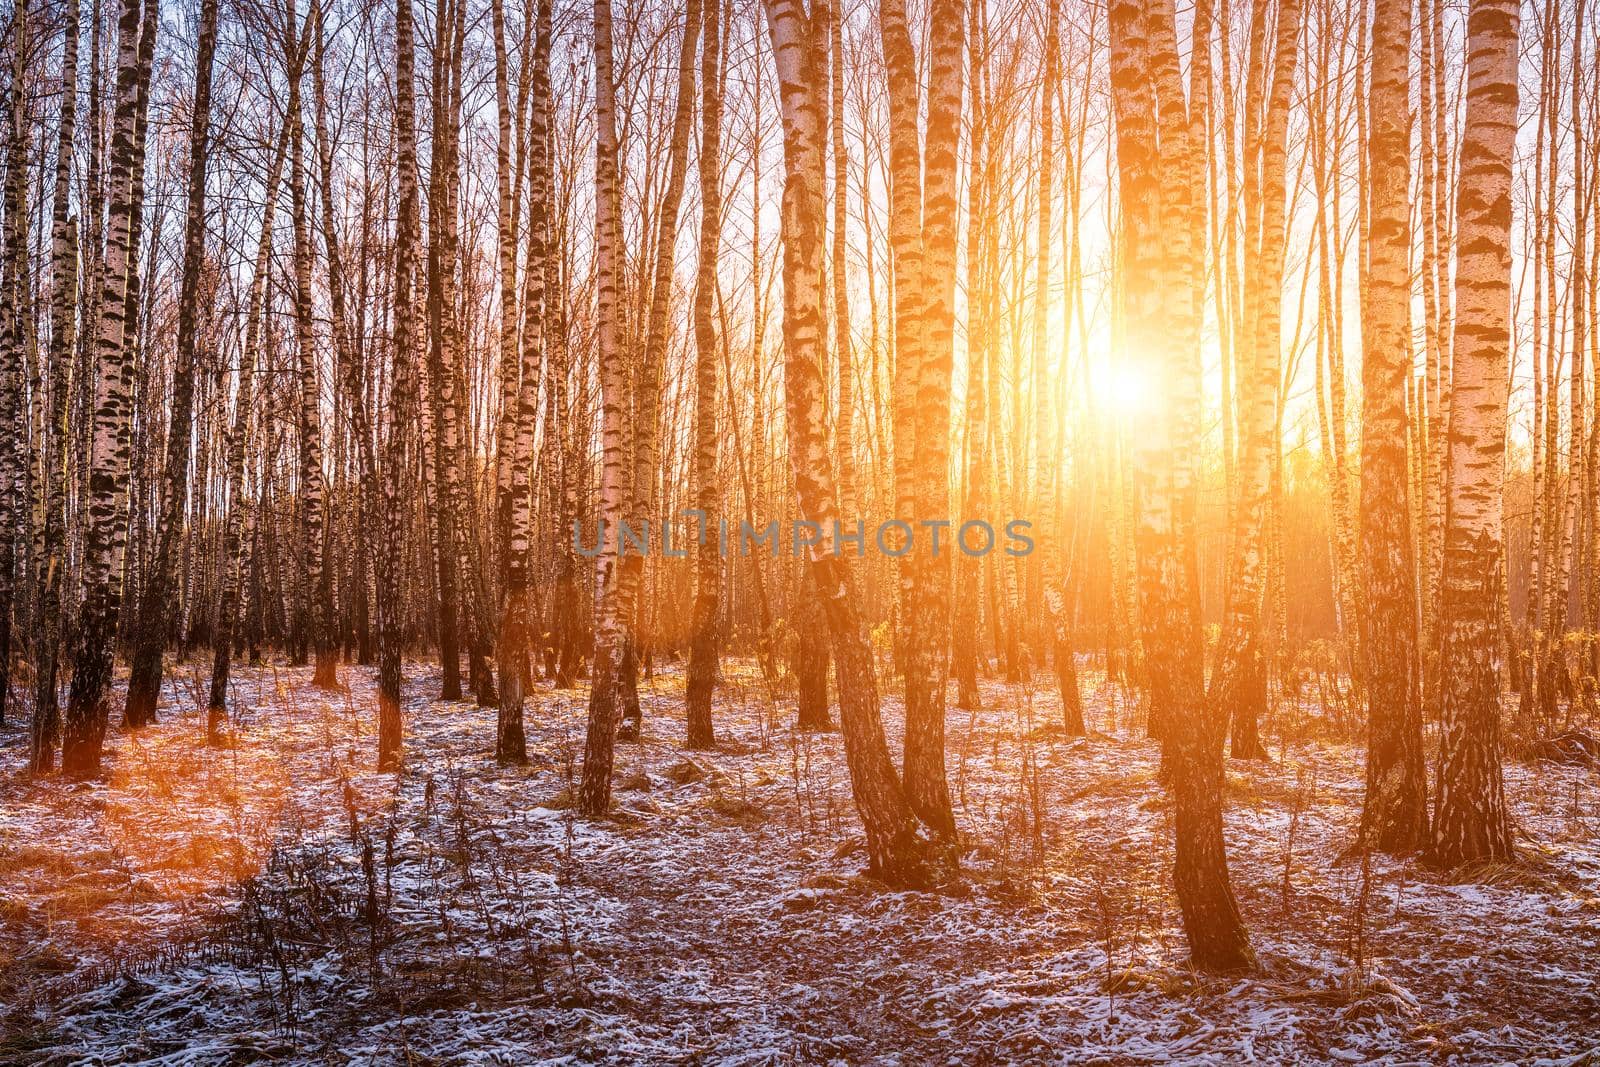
column 704, row 637
column 1470, row 819
column 14, row 298
column 1395, row 817
column 896, row 851
column 1160, row 304
column 106, row 519
column 404, row 342
column 923, row 239
column 1239, row 681
column 46, row 723
column 614, row 582
column 156, row 606
column 240, row 522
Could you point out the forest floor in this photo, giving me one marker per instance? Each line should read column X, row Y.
column 280, row 900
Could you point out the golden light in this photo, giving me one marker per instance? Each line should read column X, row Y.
column 1125, row 389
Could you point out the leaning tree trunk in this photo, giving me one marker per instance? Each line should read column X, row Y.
column 1470, row 821
column 106, row 517
column 703, row 635
column 157, row 604
column 897, row 853
column 1395, row 816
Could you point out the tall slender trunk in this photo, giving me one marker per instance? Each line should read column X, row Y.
column 106, row 520
column 157, row 603
column 613, row 581
column 239, row 524
column 1586, row 550
column 513, row 477
column 845, row 419
column 1160, row 305
column 703, row 631
column 1239, row 681
column 560, row 445
column 648, row 373
column 1035, row 497
column 63, row 344
column 965, row 652
column 1470, row 821
column 14, row 300
column 1574, row 525
column 442, row 423
column 1430, row 499
column 1538, row 551
column 904, row 179
column 896, row 852
column 1557, row 529
column 923, row 222
column 509, row 163
column 512, row 653
column 1395, row 816
column 316, row 587
column 396, row 480
column 133, row 315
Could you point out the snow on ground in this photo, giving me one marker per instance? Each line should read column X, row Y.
column 279, row 899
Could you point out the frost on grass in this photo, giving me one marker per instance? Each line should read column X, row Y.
column 279, row 899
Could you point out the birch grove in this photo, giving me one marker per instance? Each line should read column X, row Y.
column 886, row 385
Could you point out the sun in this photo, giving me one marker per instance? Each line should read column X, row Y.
column 1126, row 390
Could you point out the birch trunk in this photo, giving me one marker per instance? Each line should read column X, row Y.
column 441, row 420
column 1395, row 816
column 965, row 653
column 14, row 299
column 63, row 345
column 316, row 586
column 512, row 653
column 1239, row 680
column 396, row 480
column 1470, row 820
column 1160, row 329
column 613, row 582
column 703, row 634
column 897, row 854
column 157, row 604
column 923, row 224
column 235, row 535
column 106, row 517
column 648, row 383
column 845, row 419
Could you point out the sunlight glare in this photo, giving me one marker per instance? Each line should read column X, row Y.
column 1126, row 390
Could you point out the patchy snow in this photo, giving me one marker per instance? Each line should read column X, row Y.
column 279, row 899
